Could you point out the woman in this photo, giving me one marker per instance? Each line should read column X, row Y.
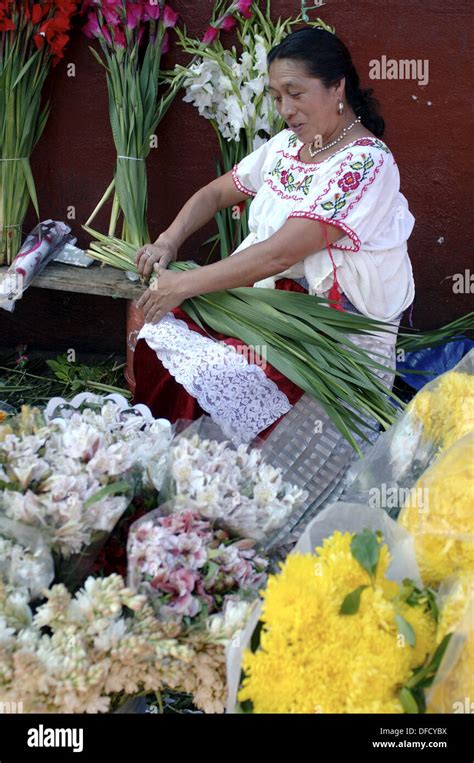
column 327, row 218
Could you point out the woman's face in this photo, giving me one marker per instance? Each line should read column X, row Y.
column 306, row 105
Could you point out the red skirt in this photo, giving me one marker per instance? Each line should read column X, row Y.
column 166, row 398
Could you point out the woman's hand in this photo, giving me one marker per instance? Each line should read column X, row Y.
column 166, row 292
column 161, row 253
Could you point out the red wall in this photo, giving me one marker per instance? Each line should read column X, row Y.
column 73, row 163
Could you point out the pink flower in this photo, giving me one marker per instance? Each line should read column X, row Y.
column 210, row 35
column 119, row 38
column 186, row 605
column 228, row 23
column 134, row 15
column 92, row 28
column 170, row 18
column 110, row 13
column 243, row 7
column 151, row 11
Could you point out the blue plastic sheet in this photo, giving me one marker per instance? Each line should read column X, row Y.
column 433, row 361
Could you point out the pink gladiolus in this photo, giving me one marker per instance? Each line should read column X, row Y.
column 92, row 28
column 151, row 11
column 104, row 32
column 228, row 23
column 134, row 15
column 211, row 35
column 170, row 18
column 119, row 38
column 110, row 13
column 243, row 7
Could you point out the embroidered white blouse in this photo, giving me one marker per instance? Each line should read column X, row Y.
column 357, row 189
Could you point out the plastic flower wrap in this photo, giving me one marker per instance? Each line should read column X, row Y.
column 73, row 476
column 101, row 645
column 342, row 628
column 453, row 688
column 188, row 569
column 440, row 514
column 234, row 487
column 439, row 415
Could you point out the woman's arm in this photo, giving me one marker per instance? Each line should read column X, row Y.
column 295, row 240
column 198, row 210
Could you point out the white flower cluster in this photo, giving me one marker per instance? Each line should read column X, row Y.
column 231, row 91
column 236, row 487
column 226, row 625
column 67, row 476
column 102, row 642
column 20, row 567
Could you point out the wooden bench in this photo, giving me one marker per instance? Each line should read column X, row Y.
column 103, row 281
column 44, row 321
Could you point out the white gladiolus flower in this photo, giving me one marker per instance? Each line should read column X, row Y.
column 234, row 101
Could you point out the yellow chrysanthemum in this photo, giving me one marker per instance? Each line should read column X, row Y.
column 447, row 410
column 312, row 659
column 440, row 514
column 453, row 690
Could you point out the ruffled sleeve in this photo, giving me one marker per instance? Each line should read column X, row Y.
column 249, row 173
column 359, row 193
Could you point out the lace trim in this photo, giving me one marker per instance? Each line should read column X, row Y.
column 236, row 394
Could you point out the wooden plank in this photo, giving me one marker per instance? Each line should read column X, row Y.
column 106, row 281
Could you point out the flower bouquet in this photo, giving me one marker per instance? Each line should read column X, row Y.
column 233, row 487
column 451, row 691
column 440, row 415
column 86, row 653
column 439, row 514
column 132, row 36
column 203, row 580
column 341, row 630
column 73, row 476
column 33, row 36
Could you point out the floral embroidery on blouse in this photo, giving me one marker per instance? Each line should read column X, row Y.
column 288, row 181
column 349, row 182
column 372, row 142
column 293, row 140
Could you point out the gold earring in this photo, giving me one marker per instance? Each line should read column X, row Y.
column 340, row 107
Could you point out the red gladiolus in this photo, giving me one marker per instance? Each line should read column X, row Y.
column 37, row 13
column 211, row 35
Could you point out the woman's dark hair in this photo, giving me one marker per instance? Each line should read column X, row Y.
column 327, row 58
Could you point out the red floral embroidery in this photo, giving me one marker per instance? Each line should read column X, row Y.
column 284, row 178
column 363, row 142
column 349, row 182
